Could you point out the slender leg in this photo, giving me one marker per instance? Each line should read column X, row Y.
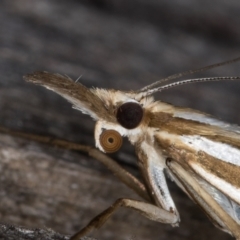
column 150, row 211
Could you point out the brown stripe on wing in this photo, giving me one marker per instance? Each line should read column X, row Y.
column 180, row 126
column 223, row 170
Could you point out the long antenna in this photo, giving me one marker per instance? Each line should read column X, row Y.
column 178, row 75
column 175, row 84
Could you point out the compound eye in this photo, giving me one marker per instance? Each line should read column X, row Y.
column 111, row 141
column 129, row 115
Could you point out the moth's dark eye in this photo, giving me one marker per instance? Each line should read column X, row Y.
column 111, row 141
column 129, row 115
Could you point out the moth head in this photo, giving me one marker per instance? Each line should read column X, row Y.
column 127, row 113
column 117, row 113
column 128, row 119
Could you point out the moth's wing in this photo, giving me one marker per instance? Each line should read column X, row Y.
column 211, row 154
column 80, row 96
column 202, row 193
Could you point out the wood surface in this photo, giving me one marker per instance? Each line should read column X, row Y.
column 111, row 44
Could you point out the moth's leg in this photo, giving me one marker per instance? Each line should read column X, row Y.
column 150, row 211
column 123, row 175
column 203, row 198
column 152, row 163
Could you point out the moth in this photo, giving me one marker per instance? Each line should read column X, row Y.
column 197, row 151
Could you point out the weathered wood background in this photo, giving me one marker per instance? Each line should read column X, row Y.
column 113, row 44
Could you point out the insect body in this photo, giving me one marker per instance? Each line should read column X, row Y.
column 200, row 153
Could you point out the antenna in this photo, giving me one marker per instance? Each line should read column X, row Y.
column 178, row 75
column 179, row 83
